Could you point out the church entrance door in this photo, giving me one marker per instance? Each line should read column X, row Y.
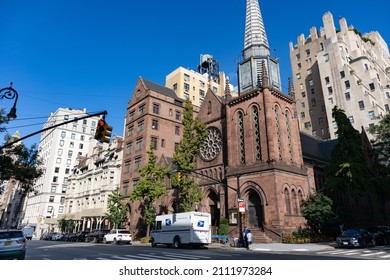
column 255, row 210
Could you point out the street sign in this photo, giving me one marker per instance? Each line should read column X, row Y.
column 241, row 206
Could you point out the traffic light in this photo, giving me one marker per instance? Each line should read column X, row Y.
column 103, row 131
column 179, row 177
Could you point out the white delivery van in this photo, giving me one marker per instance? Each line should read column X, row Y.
column 190, row 228
column 28, row 232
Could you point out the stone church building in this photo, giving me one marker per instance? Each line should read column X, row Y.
column 253, row 147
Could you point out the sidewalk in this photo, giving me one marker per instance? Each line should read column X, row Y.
column 281, row 247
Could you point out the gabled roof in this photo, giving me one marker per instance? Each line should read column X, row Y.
column 316, row 149
column 161, row 89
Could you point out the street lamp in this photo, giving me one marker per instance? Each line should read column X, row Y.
column 10, row 93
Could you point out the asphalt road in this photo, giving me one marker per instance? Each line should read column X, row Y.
column 57, row 250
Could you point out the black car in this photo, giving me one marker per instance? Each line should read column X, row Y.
column 355, row 238
column 79, row 236
column 96, row 235
column 379, row 233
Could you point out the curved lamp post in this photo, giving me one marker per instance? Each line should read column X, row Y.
column 10, row 93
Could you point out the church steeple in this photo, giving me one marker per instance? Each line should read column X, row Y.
column 256, row 52
column 255, row 39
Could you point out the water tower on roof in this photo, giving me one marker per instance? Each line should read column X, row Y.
column 209, row 65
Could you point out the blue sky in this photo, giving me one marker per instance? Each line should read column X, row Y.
column 89, row 53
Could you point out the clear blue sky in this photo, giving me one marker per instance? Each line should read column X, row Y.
column 89, row 53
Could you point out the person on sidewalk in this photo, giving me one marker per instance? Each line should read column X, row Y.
column 245, row 233
column 249, row 237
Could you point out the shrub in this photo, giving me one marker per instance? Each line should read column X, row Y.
column 223, row 228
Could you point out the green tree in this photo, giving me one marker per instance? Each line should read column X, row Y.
column 117, row 211
column 381, row 143
column 194, row 132
column 318, row 211
column 66, row 225
column 348, row 169
column 150, row 188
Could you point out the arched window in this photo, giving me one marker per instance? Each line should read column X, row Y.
column 209, row 107
column 287, row 201
column 288, row 128
column 256, row 128
column 300, row 200
column 278, row 135
column 241, row 137
column 294, row 200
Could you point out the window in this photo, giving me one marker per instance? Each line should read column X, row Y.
column 138, row 145
column 299, row 76
column 366, row 66
column 60, row 151
column 68, row 162
column 313, row 91
column 141, row 110
column 82, row 137
column 70, row 153
column 67, row 170
column 178, row 115
column 127, row 167
column 137, row 164
column 132, row 115
column 307, row 52
column 62, row 142
column 156, row 108
column 63, row 134
column 141, row 124
column 307, row 125
column 342, row 74
column 347, row 84
column 177, row 130
column 50, row 209
column 163, row 143
column 326, row 57
column 66, row 117
column 330, row 90
column 313, row 102
column 298, row 56
column 61, row 209
column 320, row 121
column 303, row 94
column 71, row 145
column 62, row 199
column 175, row 86
column 130, row 130
column 327, row 80
column 74, row 127
column 303, row 115
column 186, row 77
column 65, row 180
column 387, row 108
column 93, row 123
column 347, row 96
column 56, row 170
column 51, row 198
column 299, row 66
column 81, row 146
column 53, row 189
column 311, row 83
column 309, row 71
column 186, row 87
column 128, row 148
column 372, row 86
column 153, row 141
column 201, row 84
column 371, row 114
column 155, row 124
column 351, row 119
column 215, row 90
column 63, row 190
column 303, row 104
column 84, row 121
column 55, row 179
column 73, row 136
column 58, row 160
column 330, row 100
column 201, row 92
column 361, row 105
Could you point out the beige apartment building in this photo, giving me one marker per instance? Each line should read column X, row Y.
column 193, row 84
column 340, row 67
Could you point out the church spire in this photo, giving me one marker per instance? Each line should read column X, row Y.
column 255, row 39
column 256, row 53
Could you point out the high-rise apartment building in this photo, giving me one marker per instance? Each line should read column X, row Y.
column 58, row 149
column 193, row 84
column 344, row 68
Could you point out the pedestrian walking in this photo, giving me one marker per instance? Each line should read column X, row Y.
column 245, row 233
column 249, row 237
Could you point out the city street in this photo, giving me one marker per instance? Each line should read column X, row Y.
column 55, row 250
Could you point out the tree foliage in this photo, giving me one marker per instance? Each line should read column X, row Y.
column 66, row 225
column 318, row 211
column 381, row 133
column 194, row 132
column 150, row 188
column 116, row 210
column 348, row 169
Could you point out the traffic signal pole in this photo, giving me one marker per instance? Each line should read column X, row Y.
column 56, row 125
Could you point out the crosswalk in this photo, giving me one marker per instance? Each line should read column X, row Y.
column 364, row 253
column 154, row 256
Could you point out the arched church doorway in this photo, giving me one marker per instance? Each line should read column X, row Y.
column 255, row 210
column 214, row 207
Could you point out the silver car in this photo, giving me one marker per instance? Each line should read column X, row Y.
column 117, row 236
column 12, row 245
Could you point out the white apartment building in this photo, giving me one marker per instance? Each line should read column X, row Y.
column 59, row 149
column 344, row 68
column 187, row 83
column 94, row 177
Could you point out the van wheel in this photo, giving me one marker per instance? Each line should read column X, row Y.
column 154, row 244
column 176, row 243
column 115, row 241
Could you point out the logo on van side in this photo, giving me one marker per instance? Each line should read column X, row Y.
column 200, row 223
column 168, row 222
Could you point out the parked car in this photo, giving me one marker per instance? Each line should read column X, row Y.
column 56, row 236
column 379, row 233
column 78, row 236
column 117, row 236
column 355, row 238
column 96, row 235
column 12, row 245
